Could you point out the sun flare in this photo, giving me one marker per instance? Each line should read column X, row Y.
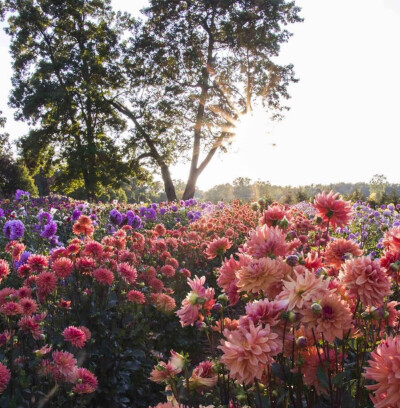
column 253, row 124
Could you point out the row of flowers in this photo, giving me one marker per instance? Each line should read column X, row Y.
column 292, row 306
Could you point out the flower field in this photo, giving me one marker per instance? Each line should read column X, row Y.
column 199, row 305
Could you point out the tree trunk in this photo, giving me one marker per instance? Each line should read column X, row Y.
column 168, row 183
column 190, row 188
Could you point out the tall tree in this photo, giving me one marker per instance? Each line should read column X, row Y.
column 13, row 173
column 63, row 60
column 194, row 68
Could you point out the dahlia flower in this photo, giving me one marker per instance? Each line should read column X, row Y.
column 86, row 382
column 274, row 213
column 384, row 369
column 332, row 209
column 46, row 282
column 227, row 272
column 37, row 263
column 203, row 376
column 198, row 299
column 159, row 229
column 365, row 280
column 162, row 372
column 49, row 230
column 103, row 276
column 247, row 350
column 116, row 217
column 265, row 312
column 266, row 241
column 28, row 306
column 304, row 288
column 13, row 229
column 127, row 272
column 136, row 297
column 261, row 275
column 168, row 271
column 217, row 247
column 11, row 309
column 65, row 365
column 391, row 239
column 163, row 302
column 94, row 249
column 332, row 317
column 75, row 336
column 4, row 269
column 5, row 376
column 62, row 267
column 337, row 250
column 29, row 324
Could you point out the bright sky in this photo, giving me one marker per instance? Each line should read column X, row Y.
column 344, row 122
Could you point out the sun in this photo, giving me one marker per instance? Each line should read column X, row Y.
column 255, row 123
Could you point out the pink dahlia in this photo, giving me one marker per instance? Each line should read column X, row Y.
column 28, row 305
column 62, row 267
column 103, row 276
column 136, row 297
column 391, row 239
column 332, row 209
column 159, row 229
column 304, row 288
column 384, row 369
column 5, row 376
column 203, row 376
column 4, row 269
column 198, row 299
column 75, row 336
column 265, row 312
column 247, row 350
column 227, row 272
column 37, row 262
column 65, row 365
column 94, row 249
column 331, row 317
column 46, row 282
column 11, row 308
column 338, row 249
column 262, row 274
column 86, row 382
column 266, row 241
column 163, row 302
column 163, row 371
column 127, row 272
column 168, row 271
column 273, row 215
column 366, row 280
column 29, row 324
column 217, row 247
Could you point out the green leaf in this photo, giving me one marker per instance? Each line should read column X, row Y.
column 323, row 377
column 339, row 379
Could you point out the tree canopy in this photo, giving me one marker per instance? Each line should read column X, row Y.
column 174, row 84
column 63, row 60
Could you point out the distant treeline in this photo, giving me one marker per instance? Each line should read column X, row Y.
column 377, row 191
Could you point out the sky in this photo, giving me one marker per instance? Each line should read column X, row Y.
column 344, row 122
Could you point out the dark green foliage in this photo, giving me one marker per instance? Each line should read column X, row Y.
column 63, row 60
column 193, row 68
column 13, row 173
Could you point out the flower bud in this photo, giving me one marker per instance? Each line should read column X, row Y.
column 301, row 342
column 283, row 223
column 217, row 307
column 316, row 308
column 292, row 260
